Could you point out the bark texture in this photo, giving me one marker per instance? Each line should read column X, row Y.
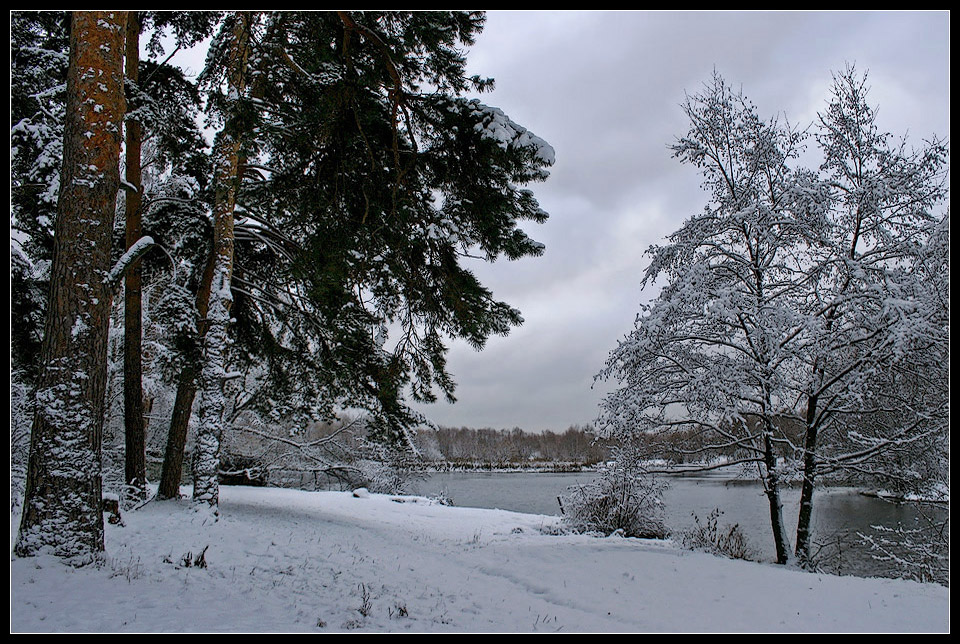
column 172, row 471
column 226, row 159
column 135, row 460
column 62, row 506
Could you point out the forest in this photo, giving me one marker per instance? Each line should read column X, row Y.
column 309, row 261
column 572, row 449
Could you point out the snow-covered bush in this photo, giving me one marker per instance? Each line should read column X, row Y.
column 387, row 469
column 21, row 416
column 729, row 541
column 920, row 553
column 624, row 498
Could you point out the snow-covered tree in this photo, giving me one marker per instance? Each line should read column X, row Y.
column 802, row 312
column 361, row 195
column 167, row 169
column 878, row 317
column 174, row 168
column 233, row 44
column 62, row 504
column 170, row 132
column 134, row 423
column 39, row 52
column 709, row 354
column 364, row 183
column 387, row 179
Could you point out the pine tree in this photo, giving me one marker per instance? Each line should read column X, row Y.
column 341, row 241
column 175, row 207
column 385, row 188
column 135, row 464
column 234, row 43
column 175, row 174
column 62, row 505
column 39, row 53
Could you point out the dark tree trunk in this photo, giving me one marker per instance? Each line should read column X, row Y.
column 810, row 451
column 183, row 405
column 172, row 471
column 771, row 486
column 188, row 381
column 63, row 501
column 135, row 468
column 806, row 491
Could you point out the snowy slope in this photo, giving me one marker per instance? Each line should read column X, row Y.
column 293, row 561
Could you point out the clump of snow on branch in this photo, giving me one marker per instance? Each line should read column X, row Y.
column 494, row 124
column 136, row 250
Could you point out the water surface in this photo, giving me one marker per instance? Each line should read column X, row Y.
column 839, row 513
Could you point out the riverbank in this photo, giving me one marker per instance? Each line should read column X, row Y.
column 542, row 467
column 292, row 561
column 715, row 470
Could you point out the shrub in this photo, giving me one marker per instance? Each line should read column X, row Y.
column 386, row 469
column 624, row 499
column 710, row 537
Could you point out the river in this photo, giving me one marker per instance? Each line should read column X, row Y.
column 839, row 513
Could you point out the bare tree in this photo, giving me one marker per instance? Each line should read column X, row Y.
column 803, row 313
column 709, row 354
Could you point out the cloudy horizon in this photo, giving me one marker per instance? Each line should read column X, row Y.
column 604, row 89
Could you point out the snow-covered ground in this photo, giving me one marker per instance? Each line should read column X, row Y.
column 293, row 561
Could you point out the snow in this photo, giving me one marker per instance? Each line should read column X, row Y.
column 294, row 561
column 135, row 250
column 494, row 124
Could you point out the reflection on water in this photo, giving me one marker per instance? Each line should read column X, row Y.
column 839, row 513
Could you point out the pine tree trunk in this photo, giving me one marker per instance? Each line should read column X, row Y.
column 187, row 384
column 172, row 470
column 226, row 155
column 135, row 467
column 63, row 501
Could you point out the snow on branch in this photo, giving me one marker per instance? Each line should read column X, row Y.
column 495, row 125
column 129, row 187
column 137, row 250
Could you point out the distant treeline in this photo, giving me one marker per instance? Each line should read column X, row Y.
column 503, row 448
column 578, row 446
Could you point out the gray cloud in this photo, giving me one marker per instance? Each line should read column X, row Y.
column 605, row 88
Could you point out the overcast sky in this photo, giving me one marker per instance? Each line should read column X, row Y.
column 604, row 89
